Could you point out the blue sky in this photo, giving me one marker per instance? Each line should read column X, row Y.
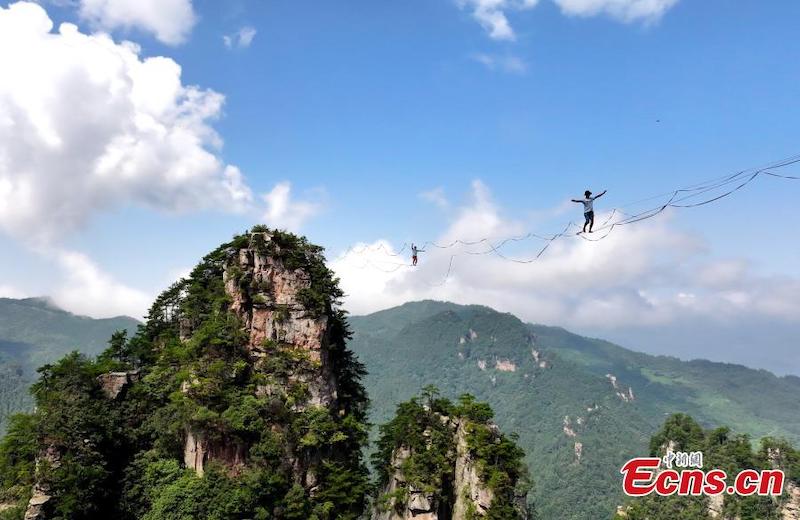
column 364, row 106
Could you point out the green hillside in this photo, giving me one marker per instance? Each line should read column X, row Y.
column 34, row 332
column 722, row 449
column 555, row 390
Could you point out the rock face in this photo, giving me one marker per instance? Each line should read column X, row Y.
column 463, row 495
column 198, row 451
column 791, row 508
column 267, row 296
column 114, row 383
column 418, row 505
column 41, row 496
column 471, row 493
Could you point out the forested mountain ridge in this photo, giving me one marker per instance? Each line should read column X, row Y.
column 581, row 406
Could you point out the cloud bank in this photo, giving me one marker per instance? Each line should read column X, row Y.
column 643, row 277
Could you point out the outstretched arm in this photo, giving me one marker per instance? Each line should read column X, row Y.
column 600, row 195
column 574, row 200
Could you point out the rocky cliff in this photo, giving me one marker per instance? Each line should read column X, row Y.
column 440, row 461
column 236, row 399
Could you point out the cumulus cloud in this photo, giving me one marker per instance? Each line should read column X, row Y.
column 645, row 274
column 511, row 64
column 170, row 21
column 241, row 39
column 87, row 290
column 86, row 125
column 491, row 14
column 623, row 10
column 285, row 212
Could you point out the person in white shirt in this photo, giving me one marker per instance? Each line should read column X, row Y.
column 588, row 208
column 414, row 251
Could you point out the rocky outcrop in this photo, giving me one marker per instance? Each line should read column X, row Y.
column 505, row 365
column 567, row 427
column 415, row 504
column 198, row 450
column 789, row 503
column 269, row 299
column 241, row 375
column 715, row 506
column 470, row 492
column 113, row 384
column 41, row 496
column 790, row 510
column 578, row 452
column 464, row 493
column 624, row 395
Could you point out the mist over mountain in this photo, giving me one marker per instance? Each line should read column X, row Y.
column 744, row 341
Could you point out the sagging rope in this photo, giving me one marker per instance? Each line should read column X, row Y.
column 676, row 200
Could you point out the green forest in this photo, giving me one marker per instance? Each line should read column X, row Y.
column 551, row 391
column 722, row 449
column 552, row 387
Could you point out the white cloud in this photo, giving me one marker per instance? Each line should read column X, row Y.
column 436, row 197
column 646, row 274
column 170, row 21
column 241, row 39
column 510, row 64
column 284, row 212
column 491, row 14
column 88, row 125
column 623, row 10
column 87, row 290
column 9, row 291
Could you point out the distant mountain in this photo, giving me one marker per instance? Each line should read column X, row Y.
column 581, row 406
column 34, row 332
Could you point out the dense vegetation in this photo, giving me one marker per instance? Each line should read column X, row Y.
column 424, row 426
column 34, row 332
column 405, row 348
column 722, row 449
column 123, row 458
column 427, row 342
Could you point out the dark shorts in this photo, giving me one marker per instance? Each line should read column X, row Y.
column 589, row 216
